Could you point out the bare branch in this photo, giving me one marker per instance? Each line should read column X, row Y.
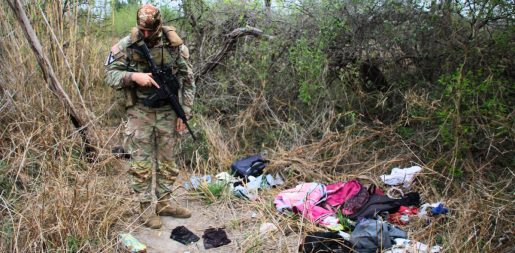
column 230, row 41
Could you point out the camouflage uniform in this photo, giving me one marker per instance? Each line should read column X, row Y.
column 149, row 128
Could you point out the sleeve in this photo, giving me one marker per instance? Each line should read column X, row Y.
column 116, row 66
column 187, row 80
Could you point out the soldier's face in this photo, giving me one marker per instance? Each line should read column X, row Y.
column 147, row 33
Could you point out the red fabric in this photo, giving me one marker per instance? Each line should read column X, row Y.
column 403, row 210
column 378, row 191
column 408, row 210
column 340, row 192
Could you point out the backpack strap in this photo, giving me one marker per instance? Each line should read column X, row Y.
column 134, row 34
column 172, row 36
column 175, row 42
column 169, row 31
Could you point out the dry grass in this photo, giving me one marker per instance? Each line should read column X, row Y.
column 53, row 200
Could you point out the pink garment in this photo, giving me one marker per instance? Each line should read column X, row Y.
column 317, row 202
column 304, row 199
column 340, row 192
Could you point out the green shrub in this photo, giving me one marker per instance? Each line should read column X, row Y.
column 473, row 113
column 308, row 62
column 123, row 20
column 211, row 192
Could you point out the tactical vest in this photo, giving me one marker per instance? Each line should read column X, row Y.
column 164, row 53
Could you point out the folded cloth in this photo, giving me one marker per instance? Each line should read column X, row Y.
column 401, row 176
column 439, row 209
column 242, row 192
column 183, row 235
column 402, row 217
column 339, row 193
column 215, row 237
column 305, row 199
column 435, row 209
column 371, row 235
column 195, row 182
column 273, row 182
column 376, row 204
column 226, row 178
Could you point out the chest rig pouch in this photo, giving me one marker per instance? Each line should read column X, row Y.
column 165, row 54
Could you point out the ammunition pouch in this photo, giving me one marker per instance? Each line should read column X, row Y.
column 129, row 97
column 156, row 103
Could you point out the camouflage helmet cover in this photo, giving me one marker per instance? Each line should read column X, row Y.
column 149, row 17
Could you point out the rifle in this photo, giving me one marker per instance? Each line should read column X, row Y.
column 168, row 85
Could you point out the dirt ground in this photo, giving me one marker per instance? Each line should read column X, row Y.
column 240, row 218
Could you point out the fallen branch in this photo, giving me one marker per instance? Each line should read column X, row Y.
column 50, row 76
column 230, row 40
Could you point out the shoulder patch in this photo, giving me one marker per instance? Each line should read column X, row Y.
column 110, row 59
column 114, row 55
column 172, row 36
column 185, row 52
column 117, row 51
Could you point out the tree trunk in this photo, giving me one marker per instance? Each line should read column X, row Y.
column 50, row 76
column 268, row 4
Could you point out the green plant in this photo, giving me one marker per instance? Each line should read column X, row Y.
column 5, row 184
column 73, row 244
column 190, row 148
column 406, row 132
column 456, row 172
column 308, row 62
column 6, row 232
column 123, row 19
column 254, row 244
column 473, row 113
column 212, row 191
column 344, row 221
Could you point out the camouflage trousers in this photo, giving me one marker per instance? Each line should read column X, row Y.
column 151, row 132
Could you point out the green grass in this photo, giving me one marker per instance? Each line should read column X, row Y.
column 5, row 184
column 213, row 191
column 124, row 19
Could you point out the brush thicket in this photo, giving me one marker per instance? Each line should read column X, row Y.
column 54, row 199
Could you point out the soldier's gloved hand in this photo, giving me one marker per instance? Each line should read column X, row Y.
column 180, row 126
column 144, row 79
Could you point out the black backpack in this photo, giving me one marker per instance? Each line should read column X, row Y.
column 249, row 166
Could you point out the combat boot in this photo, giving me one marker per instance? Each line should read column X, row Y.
column 165, row 208
column 148, row 217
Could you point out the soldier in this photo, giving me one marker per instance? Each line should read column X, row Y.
column 150, row 130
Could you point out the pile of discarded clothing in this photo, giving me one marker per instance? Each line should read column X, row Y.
column 370, row 212
column 244, row 181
